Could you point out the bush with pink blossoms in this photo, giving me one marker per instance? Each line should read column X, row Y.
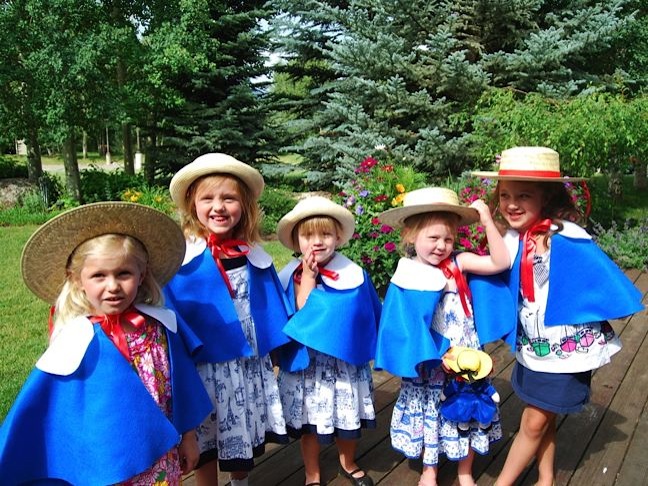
column 378, row 185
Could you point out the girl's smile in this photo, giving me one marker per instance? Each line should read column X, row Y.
column 434, row 242
column 321, row 244
column 218, row 207
column 520, row 203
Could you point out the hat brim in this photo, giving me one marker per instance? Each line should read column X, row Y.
column 497, row 177
column 287, row 224
column 451, row 358
column 46, row 253
column 213, row 164
column 396, row 217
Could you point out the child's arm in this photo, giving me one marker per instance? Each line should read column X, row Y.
column 188, row 452
column 498, row 260
column 307, row 284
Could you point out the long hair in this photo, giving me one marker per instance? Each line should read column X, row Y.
column 247, row 228
column 72, row 301
column 414, row 224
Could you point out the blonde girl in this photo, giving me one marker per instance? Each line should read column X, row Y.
column 107, row 402
column 228, row 294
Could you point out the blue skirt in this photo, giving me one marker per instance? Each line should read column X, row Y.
column 554, row 392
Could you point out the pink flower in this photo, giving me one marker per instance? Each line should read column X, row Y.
column 375, row 221
column 380, row 198
column 390, row 246
column 386, row 229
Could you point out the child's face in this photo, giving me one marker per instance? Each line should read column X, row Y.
column 218, row 207
column 321, row 243
column 434, row 242
column 110, row 283
column 520, row 203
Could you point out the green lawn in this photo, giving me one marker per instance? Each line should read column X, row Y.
column 23, row 325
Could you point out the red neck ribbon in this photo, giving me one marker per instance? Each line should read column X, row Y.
column 229, row 248
column 529, row 246
column 450, row 270
column 297, row 276
column 112, row 326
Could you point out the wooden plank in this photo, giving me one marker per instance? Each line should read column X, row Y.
column 634, row 469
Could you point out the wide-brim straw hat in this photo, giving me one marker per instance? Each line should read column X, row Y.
column 308, row 208
column 46, row 253
column 471, row 364
column 213, row 164
column 540, row 164
column 427, row 200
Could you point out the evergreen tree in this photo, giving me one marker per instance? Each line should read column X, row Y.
column 222, row 107
column 408, row 73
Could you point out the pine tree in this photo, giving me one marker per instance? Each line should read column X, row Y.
column 408, row 73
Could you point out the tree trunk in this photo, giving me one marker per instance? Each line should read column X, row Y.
column 640, row 176
column 34, row 161
column 71, row 164
column 127, row 136
column 150, row 161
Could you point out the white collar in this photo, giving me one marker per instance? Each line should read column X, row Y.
column 69, row 345
column 257, row 255
column 351, row 275
column 569, row 230
column 413, row 275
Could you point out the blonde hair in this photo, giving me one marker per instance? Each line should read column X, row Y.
column 316, row 224
column 72, row 301
column 247, row 228
column 414, row 224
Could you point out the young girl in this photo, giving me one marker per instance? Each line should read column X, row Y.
column 426, row 310
column 329, row 396
column 116, row 397
column 228, row 293
column 565, row 290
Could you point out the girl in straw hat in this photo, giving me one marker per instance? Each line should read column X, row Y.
column 115, row 398
column 329, row 395
column 427, row 310
column 565, row 289
column 228, row 293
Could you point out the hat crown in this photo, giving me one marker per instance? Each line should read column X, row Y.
column 431, row 195
column 468, row 361
column 539, row 161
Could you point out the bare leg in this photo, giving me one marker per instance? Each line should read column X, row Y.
column 207, row 474
column 429, row 476
column 464, row 470
column 527, row 442
column 310, row 450
column 546, row 455
column 346, row 451
column 239, row 478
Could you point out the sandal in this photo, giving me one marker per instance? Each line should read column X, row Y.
column 361, row 481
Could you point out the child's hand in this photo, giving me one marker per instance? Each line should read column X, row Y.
column 188, row 452
column 309, row 265
column 482, row 208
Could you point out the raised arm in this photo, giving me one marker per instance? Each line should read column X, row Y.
column 309, row 274
column 498, row 260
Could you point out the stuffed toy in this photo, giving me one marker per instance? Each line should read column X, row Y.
column 468, row 395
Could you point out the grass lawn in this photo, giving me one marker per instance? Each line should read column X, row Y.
column 23, row 325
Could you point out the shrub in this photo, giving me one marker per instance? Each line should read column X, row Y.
column 98, row 185
column 377, row 187
column 10, row 168
column 275, row 204
column 154, row 196
column 627, row 246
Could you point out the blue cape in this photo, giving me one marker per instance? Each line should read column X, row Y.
column 340, row 323
column 98, row 425
column 466, row 402
column 199, row 296
column 584, row 284
column 405, row 336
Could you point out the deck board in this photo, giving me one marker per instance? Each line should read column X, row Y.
column 604, row 445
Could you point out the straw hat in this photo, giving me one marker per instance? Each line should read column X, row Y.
column 213, row 164
column 471, row 364
column 540, row 164
column 46, row 253
column 427, row 200
column 314, row 206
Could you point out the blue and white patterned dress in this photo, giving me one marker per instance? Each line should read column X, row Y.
column 417, row 428
column 245, row 395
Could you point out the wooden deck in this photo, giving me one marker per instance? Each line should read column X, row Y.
column 606, row 444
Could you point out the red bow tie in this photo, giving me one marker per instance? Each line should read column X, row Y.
column 112, row 326
column 529, row 246
column 229, row 248
column 297, row 276
column 450, row 270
